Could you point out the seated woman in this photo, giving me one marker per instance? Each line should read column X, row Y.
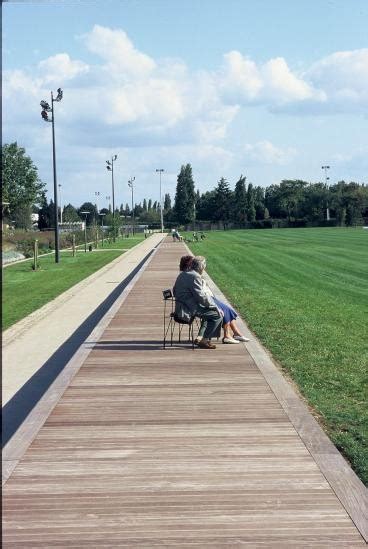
column 191, row 301
column 232, row 334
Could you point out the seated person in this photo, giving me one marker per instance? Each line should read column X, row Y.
column 191, row 301
column 232, row 334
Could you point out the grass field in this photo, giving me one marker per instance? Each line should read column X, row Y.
column 304, row 292
column 25, row 291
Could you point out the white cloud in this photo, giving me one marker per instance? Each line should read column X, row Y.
column 271, row 83
column 115, row 47
column 344, row 78
column 267, row 153
column 60, row 68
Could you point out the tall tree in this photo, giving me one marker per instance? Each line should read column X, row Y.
column 70, row 214
column 222, row 202
column 184, row 197
column 93, row 214
column 251, row 208
column 21, row 186
column 145, row 208
column 239, row 208
column 167, row 202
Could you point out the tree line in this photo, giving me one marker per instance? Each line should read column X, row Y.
column 289, row 203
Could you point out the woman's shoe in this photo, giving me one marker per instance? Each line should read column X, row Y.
column 229, row 340
column 240, row 338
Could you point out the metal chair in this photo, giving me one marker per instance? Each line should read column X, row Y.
column 169, row 303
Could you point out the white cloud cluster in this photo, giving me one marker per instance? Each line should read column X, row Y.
column 272, row 83
column 344, row 78
column 129, row 100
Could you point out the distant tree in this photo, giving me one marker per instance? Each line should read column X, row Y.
column 88, row 207
column 167, row 202
column 251, row 208
column 184, row 197
column 205, row 206
column 259, row 202
column 21, row 186
column 149, row 207
column 145, row 207
column 222, row 202
column 70, row 214
column 239, row 208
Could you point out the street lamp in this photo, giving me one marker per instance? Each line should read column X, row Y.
column 85, row 229
column 102, row 226
column 325, row 168
column 61, row 206
column 110, row 168
column 160, row 170
column 44, row 113
column 131, row 185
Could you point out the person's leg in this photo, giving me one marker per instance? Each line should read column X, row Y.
column 236, row 334
column 227, row 331
column 234, row 328
column 213, row 320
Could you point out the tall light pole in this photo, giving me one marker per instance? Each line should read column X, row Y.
column 85, row 230
column 102, row 226
column 131, row 185
column 61, row 205
column 325, row 168
column 110, row 168
column 44, row 113
column 97, row 195
column 160, row 170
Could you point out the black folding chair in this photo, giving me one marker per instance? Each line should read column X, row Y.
column 169, row 312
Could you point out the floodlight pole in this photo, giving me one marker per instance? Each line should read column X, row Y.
column 131, row 185
column 56, row 221
column 325, row 168
column 160, row 170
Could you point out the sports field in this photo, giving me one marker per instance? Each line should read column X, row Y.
column 304, row 292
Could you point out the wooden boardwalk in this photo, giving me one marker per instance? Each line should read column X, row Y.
column 169, row 448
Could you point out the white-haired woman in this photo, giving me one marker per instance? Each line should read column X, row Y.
column 232, row 334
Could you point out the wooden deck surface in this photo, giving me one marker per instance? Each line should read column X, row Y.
column 169, row 448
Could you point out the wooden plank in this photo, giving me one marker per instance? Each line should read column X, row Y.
column 161, row 448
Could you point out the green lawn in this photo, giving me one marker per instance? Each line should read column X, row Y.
column 25, row 291
column 304, row 292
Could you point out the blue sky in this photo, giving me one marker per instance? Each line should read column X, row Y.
column 268, row 89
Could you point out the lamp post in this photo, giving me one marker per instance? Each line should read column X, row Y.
column 325, row 168
column 102, row 226
column 131, row 185
column 85, row 229
column 110, row 168
column 160, row 171
column 44, row 113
